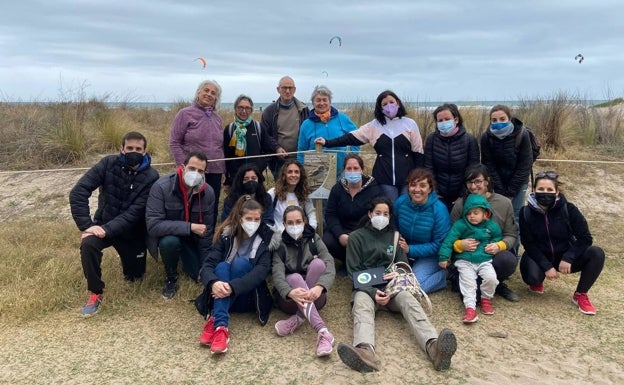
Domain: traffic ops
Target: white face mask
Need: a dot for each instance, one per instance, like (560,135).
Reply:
(380,222)
(250,227)
(295,231)
(193,178)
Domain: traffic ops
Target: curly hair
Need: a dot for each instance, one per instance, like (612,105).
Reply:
(302,191)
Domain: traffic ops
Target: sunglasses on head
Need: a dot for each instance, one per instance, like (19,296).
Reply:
(547,174)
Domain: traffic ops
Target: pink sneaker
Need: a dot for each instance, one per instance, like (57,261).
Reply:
(288,326)
(486,306)
(220,340)
(471,315)
(208,333)
(538,289)
(582,301)
(324,344)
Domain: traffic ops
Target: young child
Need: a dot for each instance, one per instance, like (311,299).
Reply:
(475,224)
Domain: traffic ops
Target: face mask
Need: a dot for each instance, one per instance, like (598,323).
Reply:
(545,199)
(250,227)
(390,110)
(380,222)
(353,177)
(295,231)
(193,178)
(250,187)
(132,159)
(499,126)
(446,126)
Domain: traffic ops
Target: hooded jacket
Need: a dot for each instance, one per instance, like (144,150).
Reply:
(165,213)
(550,236)
(122,198)
(488,231)
(294,256)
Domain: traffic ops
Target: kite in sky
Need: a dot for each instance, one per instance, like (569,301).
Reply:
(325,73)
(201,59)
(579,57)
(336,38)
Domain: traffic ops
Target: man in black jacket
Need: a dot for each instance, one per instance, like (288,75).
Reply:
(124,181)
(179,217)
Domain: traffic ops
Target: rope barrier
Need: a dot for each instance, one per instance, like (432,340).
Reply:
(290,153)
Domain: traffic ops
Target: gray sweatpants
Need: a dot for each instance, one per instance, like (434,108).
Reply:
(364,308)
(468,273)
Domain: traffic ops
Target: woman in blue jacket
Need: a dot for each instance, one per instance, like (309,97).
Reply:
(423,222)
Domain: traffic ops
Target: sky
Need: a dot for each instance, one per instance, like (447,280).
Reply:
(442,50)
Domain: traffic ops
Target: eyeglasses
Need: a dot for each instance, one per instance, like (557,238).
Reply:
(476,182)
(548,174)
(283,88)
(248,109)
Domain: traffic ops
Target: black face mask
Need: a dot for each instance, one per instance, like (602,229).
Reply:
(545,199)
(250,187)
(133,159)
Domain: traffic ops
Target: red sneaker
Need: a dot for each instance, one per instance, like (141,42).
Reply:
(471,315)
(208,333)
(582,301)
(538,289)
(220,340)
(486,306)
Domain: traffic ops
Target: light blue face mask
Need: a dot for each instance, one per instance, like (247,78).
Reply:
(446,127)
(353,177)
(499,125)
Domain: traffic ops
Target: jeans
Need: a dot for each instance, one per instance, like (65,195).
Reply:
(392,192)
(240,303)
(173,249)
(429,274)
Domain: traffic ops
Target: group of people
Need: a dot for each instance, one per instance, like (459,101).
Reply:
(458,209)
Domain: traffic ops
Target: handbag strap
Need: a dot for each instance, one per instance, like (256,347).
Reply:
(394,250)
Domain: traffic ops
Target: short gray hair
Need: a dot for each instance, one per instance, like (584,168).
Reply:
(216,85)
(242,97)
(322,90)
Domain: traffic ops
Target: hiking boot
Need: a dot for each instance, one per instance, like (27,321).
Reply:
(486,306)
(537,289)
(360,358)
(583,303)
(324,343)
(220,340)
(170,289)
(504,291)
(93,305)
(470,316)
(288,326)
(441,349)
(208,333)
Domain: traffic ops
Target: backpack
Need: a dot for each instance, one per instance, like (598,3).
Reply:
(232,127)
(536,146)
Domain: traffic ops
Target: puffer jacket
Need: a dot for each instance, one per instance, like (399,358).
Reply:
(550,235)
(448,158)
(165,214)
(423,226)
(255,280)
(122,199)
(509,170)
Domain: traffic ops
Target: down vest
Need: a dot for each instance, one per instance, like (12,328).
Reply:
(448,158)
(122,199)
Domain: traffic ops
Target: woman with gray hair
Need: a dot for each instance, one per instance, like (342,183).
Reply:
(324,121)
(199,128)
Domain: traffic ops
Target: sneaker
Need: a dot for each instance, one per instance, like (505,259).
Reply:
(288,326)
(470,316)
(486,306)
(93,305)
(360,358)
(537,289)
(220,340)
(170,289)
(504,291)
(583,303)
(441,350)
(324,343)
(208,333)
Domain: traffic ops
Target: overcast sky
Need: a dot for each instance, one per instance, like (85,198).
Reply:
(436,50)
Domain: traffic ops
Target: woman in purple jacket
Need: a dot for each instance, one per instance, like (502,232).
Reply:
(199,128)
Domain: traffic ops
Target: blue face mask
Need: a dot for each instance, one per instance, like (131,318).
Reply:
(353,177)
(499,125)
(446,126)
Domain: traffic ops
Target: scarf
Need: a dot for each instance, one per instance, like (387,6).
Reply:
(239,139)
(324,116)
(188,195)
(503,132)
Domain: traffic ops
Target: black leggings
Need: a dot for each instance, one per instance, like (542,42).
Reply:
(590,265)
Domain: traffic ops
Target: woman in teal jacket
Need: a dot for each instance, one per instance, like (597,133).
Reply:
(423,222)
